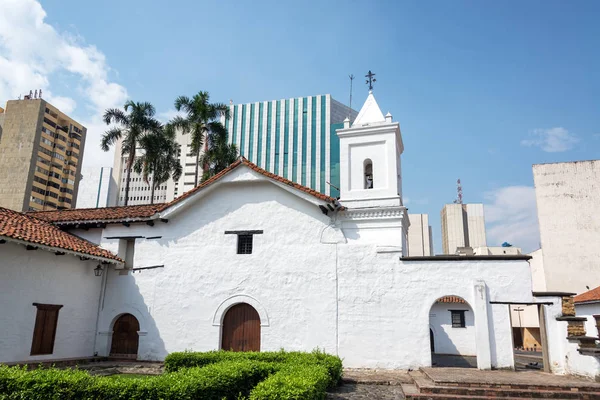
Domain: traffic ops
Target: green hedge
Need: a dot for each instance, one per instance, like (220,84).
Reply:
(333,364)
(294,382)
(213,375)
(224,380)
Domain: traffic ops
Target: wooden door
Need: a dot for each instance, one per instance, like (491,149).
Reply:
(241,329)
(125,338)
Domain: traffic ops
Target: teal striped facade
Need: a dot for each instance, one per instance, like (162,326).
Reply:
(293,138)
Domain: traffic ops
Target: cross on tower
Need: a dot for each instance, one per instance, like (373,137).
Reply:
(370,80)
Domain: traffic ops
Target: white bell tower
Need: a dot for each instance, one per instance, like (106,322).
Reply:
(370,149)
(371,181)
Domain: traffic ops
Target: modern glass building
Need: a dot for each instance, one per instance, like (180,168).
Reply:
(293,138)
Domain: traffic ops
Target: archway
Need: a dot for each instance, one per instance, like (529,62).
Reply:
(241,329)
(125,337)
(452,333)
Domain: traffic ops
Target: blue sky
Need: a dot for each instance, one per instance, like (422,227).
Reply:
(482,90)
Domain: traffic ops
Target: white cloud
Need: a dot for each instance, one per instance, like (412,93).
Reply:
(511,216)
(31,51)
(168,115)
(551,140)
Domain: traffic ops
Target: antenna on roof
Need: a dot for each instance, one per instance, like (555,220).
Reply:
(351,76)
(459,197)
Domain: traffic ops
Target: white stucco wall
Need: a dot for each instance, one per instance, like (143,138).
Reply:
(567,203)
(300,266)
(290,273)
(39,276)
(449,340)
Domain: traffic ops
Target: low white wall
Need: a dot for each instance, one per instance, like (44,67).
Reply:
(39,276)
(576,363)
(449,340)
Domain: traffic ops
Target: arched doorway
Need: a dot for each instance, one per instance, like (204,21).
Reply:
(241,329)
(125,338)
(452,333)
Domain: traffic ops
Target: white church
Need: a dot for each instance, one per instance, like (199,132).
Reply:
(251,261)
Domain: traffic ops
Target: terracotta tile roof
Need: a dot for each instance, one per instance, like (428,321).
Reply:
(107,214)
(450,299)
(591,295)
(244,161)
(23,227)
(145,212)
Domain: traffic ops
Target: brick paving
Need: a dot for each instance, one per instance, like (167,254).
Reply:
(353,391)
(376,376)
(525,378)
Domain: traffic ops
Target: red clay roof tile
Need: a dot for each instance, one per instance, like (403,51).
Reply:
(19,226)
(107,214)
(592,295)
(450,299)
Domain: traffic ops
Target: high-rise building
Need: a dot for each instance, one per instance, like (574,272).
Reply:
(463,225)
(96,188)
(420,240)
(568,202)
(294,138)
(41,151)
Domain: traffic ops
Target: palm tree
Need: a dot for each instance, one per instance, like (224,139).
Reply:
(131,127)
(200,119)
(219,153)
(160,158)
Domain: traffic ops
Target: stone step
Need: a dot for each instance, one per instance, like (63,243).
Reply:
(429,389)
(422,379)
(455,397)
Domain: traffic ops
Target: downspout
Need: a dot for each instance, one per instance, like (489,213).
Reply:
(100,306)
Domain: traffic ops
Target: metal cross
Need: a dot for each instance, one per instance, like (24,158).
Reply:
(370,80)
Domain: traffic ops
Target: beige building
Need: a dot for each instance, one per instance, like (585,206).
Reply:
(420,240)
(41,151)
(463,225)
(568,207)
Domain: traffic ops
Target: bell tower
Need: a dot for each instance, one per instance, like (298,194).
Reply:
(371,180)
(370,150)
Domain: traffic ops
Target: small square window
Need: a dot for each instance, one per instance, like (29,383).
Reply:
(244,244)
(458,318)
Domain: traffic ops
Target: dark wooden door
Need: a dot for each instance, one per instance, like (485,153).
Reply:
(125,338)
(431,341)
(241,329)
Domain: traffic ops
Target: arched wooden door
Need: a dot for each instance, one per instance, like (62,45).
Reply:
(241,329)
(125,338)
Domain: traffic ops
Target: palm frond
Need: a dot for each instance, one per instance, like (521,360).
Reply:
(110,137)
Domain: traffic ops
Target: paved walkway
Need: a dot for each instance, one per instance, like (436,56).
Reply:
(352,391)
(528,378)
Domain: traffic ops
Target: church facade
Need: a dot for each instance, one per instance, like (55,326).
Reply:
(249,260)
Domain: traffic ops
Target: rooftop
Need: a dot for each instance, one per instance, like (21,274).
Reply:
(590,296)
(25,229)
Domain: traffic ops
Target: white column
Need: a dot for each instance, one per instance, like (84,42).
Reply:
(327,117)
(263,150)
(230,128)
(291,141)
(318,156)
(300,137)
(309,143)
(273,124)
(282,111)
(238,128)
(247,133)
(255,133)
(482,329)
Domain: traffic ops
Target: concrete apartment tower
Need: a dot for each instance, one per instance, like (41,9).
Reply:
(41,152)
(420,238)
(96,188)
(463,225)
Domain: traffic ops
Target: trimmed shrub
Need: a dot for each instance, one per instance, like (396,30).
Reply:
(294,382)
(225,380)
(333,364)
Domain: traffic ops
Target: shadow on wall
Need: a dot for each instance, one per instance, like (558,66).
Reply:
(126,328)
